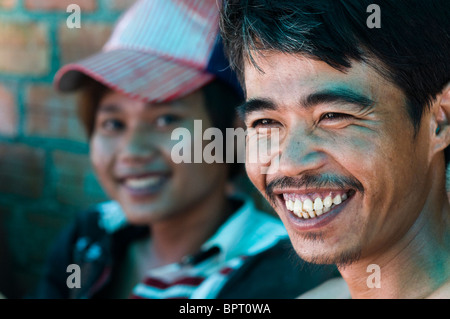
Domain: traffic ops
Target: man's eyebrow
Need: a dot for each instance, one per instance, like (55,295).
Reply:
(334,95)
(338,95)
(253,105)
(109,108)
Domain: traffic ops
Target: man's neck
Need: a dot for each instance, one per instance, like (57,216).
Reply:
(416,266)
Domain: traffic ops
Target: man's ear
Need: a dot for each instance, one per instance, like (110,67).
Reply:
(441,123)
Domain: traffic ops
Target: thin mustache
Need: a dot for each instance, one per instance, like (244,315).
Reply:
(308,181)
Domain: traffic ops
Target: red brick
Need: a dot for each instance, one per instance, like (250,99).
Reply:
(24,48)
(7,4)
(52,114)
(8,112)
(59,5)
(22,170)
(76,44)
(120,5)
(75,181)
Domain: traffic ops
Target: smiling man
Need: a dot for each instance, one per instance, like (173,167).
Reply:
(170,229)
(361,116)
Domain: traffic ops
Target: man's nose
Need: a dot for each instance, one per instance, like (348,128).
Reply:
(300,152)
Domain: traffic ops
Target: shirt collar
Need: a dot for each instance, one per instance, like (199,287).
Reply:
(247,231)
(112,218)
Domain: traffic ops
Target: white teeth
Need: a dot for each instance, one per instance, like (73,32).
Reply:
(307,205)
(337,200)
(318,204)
(327,202)
(310,209)
(290,204)
(297,206)
(141,183)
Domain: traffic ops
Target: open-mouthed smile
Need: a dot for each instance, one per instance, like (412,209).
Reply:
(313,208)
(146,184)
(315,204)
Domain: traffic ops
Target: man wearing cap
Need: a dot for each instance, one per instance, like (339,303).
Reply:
(171,230)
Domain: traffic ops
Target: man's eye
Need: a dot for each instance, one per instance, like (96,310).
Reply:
(264,123)
(335,116)
(113,125)
(166,120)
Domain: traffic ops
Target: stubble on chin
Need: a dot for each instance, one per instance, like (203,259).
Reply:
(311,247)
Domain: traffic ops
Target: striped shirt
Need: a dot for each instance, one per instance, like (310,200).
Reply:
(201,276)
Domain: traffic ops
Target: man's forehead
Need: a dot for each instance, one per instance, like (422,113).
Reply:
(278,75)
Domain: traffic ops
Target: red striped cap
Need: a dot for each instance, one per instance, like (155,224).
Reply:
(159,50)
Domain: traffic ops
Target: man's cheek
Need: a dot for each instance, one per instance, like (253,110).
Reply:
(98,158)
(253,172)
(101,159)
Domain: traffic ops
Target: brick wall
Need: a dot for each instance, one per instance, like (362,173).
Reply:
(45,174)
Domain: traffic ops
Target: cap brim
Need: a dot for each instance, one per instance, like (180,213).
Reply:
(137,74)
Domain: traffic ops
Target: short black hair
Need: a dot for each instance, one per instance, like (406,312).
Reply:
(411,49)
(221,101)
